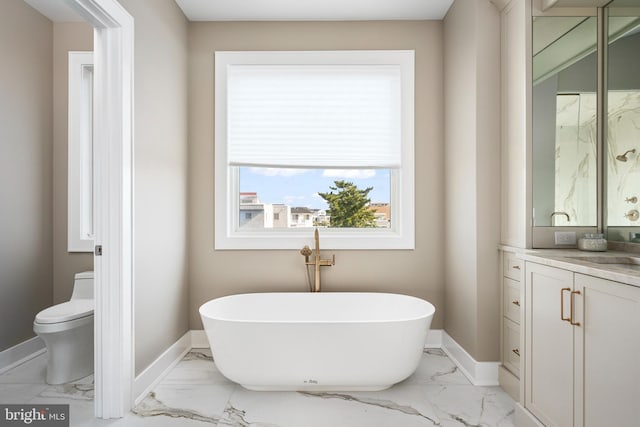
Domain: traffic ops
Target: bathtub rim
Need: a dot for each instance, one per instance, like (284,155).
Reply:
(431,309)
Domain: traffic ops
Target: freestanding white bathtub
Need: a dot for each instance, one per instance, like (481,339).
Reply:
(317,341)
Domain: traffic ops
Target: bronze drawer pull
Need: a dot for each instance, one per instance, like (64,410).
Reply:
(517,267)
(516,303)
(516,351)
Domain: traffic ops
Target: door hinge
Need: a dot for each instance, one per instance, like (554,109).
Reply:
(98,250)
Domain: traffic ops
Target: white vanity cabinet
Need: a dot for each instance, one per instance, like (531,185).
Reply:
(582,340)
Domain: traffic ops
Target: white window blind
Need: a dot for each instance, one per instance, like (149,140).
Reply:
(329,116)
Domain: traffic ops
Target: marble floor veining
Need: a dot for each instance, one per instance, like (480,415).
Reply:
(194,393)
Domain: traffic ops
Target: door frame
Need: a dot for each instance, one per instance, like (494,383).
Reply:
(113,203)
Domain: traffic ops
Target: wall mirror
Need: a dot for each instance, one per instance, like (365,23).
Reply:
(622,137)
(564,158)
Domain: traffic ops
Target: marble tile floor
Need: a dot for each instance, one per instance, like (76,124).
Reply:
(194,393)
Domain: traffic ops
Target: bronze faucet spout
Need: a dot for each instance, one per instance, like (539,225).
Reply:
(317,261)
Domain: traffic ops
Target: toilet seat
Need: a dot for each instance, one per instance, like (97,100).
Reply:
(53,328)
(66,311)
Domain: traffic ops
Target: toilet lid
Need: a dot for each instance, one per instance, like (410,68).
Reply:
(70,310)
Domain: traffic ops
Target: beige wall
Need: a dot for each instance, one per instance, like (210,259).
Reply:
(160,176)
(472,165)
(25,169)
(66,37)
(460,166)
(419,272)
(488,181)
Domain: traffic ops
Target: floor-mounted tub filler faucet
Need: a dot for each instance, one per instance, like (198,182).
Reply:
(317,262)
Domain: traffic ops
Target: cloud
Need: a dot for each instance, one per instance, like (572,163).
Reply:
(292,200)
(276,171)
(349,173)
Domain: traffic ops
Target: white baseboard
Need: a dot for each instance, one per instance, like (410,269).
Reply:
(199,339)
(479,373)
(434,338)
(153,374)
(20,353)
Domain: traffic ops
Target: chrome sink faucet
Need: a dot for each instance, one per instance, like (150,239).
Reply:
(317,262)
(559,213)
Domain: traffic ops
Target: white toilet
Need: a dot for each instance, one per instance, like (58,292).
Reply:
(67,331)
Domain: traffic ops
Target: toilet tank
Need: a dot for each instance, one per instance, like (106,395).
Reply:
(83,285)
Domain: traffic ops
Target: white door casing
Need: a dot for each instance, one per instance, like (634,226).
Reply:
(113,203)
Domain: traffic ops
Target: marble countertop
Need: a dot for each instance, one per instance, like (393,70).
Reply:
(578,261)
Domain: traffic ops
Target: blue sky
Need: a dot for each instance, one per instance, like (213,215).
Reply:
(299,187)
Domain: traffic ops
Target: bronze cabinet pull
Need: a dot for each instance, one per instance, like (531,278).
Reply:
(517,267)
(568,319)
(516,302)
(516,351)
(572,304)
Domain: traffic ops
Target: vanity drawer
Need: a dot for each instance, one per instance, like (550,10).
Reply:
(511,347)
(512,266)
(511,300)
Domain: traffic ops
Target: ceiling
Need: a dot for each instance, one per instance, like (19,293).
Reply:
(308,10)
(312,10)
(55,10)
(280,10)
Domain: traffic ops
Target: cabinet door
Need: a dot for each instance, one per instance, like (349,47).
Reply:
(511,300)
(607,352)
(511,347)
(549,345)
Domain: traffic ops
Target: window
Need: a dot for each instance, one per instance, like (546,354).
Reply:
(80,168)
(295,114)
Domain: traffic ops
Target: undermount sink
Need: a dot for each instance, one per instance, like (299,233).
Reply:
(629,262)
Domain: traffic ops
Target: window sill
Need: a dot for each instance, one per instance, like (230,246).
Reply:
(330,239)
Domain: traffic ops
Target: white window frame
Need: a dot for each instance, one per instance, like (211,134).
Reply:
(80,236)
(228,236)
